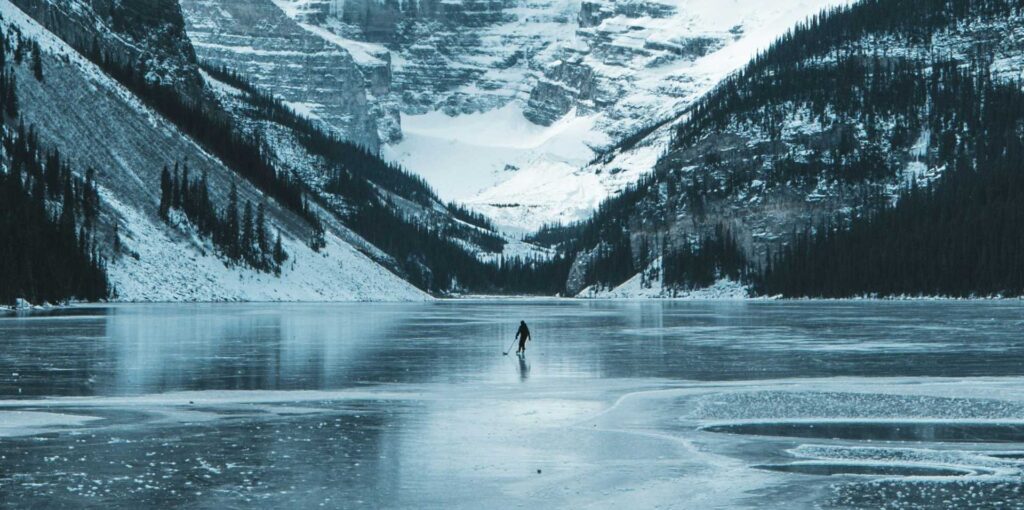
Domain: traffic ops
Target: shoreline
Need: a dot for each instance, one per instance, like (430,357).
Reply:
(523,299)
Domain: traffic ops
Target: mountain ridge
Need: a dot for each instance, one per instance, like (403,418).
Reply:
(500,105)
(805,141)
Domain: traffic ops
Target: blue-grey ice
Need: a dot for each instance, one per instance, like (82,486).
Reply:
(615,405)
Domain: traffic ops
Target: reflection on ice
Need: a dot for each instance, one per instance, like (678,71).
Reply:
(679,405)
(452,445)
(884,430)
(835,468)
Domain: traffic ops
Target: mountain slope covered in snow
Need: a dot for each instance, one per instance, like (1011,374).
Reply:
(218,190)
(499,105)
(872,151)
(97,123)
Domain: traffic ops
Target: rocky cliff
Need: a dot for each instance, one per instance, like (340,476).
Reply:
(315,77)
(147,33)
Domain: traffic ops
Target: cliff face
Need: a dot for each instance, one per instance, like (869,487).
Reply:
(317,78)
(434,49)
(150,33)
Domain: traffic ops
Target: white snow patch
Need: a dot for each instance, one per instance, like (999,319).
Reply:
(167,270)
(26,423)
(651,287)
(461,156)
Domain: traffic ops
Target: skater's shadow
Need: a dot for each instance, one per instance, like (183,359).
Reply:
(524,368)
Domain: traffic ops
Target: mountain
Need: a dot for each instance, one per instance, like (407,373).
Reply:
(97,123)
(220,150)
(188,181)
(872,150)
(499,104)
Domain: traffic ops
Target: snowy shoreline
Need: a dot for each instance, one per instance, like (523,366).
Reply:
(506,298)
(503,298)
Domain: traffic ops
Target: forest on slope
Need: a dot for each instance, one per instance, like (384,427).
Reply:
(435,246)
(48,216)
(871,151)
(393,217)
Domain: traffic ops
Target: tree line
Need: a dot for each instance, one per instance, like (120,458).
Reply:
(50,235)
(240,235)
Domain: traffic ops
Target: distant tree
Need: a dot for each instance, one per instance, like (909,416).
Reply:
(117,239)
(37,61)
(261,228)
(248,237)
(166,191)
(316,238)
(19,49)
(176,188)
(231,227)
(279,254)
(186,181)
(11,97)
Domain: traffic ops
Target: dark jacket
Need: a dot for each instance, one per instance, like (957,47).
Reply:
(523,333)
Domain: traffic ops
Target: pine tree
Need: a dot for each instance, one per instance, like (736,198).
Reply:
(90,197)
(11,99)
(231,224)
(186,181)
(37,61)
(247,233)
(175,189)
(165,192)
(117,239)
(279,254)
(316,238)
(19,50)
(261,229)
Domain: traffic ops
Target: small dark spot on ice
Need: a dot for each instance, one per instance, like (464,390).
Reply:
(191,402)
(538,471)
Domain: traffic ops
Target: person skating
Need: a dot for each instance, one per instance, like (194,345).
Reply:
(523,335)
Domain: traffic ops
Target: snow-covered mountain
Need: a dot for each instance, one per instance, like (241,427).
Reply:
(531,112)
(97,123)
(498,104)
(797,171)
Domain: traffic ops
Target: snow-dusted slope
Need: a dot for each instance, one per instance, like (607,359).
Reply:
(504,103)
(96,122)
(649,284)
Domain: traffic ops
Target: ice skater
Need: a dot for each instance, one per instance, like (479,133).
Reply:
(524,336)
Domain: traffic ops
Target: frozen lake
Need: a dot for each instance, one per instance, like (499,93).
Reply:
(616,405)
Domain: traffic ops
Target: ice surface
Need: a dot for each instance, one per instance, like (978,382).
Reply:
(616,404)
